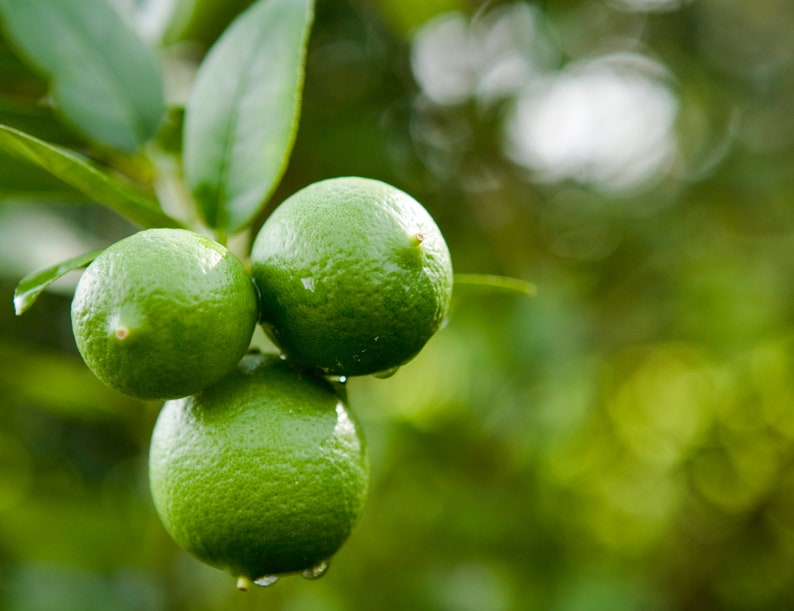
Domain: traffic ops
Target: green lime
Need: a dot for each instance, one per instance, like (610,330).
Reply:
(354,276)
(163,313)
(261,475)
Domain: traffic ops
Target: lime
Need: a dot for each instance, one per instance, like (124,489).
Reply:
(354,276)
(263,474)
(163,313)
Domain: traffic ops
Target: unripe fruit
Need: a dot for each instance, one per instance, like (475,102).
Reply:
(261,475)
(163,313)
(354,276)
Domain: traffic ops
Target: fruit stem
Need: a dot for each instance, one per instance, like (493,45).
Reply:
(244,584)
(417,239)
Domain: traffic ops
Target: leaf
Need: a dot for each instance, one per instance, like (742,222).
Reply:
(20,180)
(79,173)
(31,286)
(31,116)
(105,80)
(242,116)
(499,283)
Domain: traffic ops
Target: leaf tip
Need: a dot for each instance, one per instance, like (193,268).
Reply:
(21,304)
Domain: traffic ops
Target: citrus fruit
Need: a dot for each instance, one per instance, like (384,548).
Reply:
(354,276)
(163,313)
(262,474)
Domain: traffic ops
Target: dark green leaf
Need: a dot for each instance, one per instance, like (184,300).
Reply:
(31,286)
(31,116)
(79,173)
(105,80)
(243,112)
(21,180)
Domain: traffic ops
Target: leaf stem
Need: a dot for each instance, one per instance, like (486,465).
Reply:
(221,236)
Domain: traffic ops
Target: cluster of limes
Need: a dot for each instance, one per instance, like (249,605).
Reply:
(257,465)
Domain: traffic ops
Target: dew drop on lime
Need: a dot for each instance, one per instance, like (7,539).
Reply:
(317,571)
(267,580)
(387,373)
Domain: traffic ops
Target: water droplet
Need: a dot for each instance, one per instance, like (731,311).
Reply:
(317,571)
(387,373)
(267,580)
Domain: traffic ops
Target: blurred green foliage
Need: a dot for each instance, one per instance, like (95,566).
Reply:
(621,441)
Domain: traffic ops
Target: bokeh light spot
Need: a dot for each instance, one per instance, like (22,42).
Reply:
(606,122)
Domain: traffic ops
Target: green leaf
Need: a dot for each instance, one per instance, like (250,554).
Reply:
(79,173)
(31,286)
(31,116)
(243,113)
(499,283)
(20,180)
(105,80)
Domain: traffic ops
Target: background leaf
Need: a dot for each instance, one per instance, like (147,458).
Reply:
(31,286)
(22,109)
(491,282)
(105,80)
(21,180)
(243,112)
(76,171)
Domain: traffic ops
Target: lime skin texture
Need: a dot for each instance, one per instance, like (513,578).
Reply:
(163,313)
(261,475)
(354,276)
